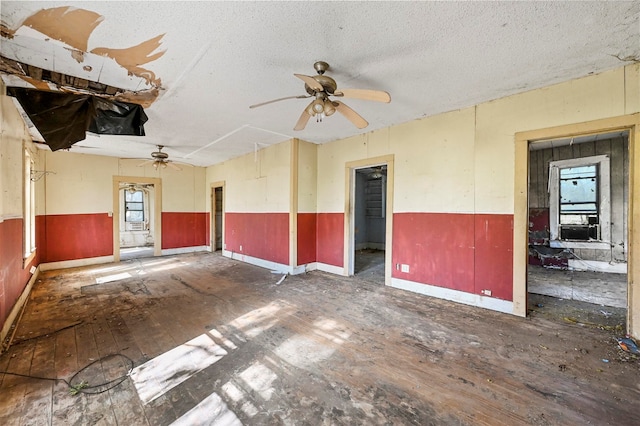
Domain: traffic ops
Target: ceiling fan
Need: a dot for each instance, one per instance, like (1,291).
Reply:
(320,87)
(160,159)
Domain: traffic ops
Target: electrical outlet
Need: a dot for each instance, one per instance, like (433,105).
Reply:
(486,292)
(404,268)
(32,270)
(240,248)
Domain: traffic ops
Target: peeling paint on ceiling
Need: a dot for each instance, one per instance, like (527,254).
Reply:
(197,66)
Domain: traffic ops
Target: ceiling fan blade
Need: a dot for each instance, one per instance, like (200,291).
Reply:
(311,82)
(144,163)
(173,166)
(280,99)
(367,95)
(351,115)
(303,120)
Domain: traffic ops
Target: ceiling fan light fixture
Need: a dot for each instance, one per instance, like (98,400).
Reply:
(328,108)
(318,106)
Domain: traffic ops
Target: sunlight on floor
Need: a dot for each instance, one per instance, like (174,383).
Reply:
(157,376)
(112,278)
(250,387)
(210,411)
(257,321)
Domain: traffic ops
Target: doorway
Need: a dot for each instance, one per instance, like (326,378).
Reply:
(137,219)
(629,126)
(137,239)
(578,245)
(369,223)
(217,217)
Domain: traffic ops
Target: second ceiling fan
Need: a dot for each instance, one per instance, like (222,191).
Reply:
(320,87)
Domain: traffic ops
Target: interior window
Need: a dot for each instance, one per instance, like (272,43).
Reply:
(134,206)
(579,201)
(579,216)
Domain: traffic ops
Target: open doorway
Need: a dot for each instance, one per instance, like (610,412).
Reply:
(369,222)
(578,223)
(137,233)
(136,220)
(368,234)
(217,217)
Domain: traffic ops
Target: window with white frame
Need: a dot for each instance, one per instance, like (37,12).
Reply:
(579,201)
(29,216)
(133,206)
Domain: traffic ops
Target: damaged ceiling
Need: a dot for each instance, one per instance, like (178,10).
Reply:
(196,67)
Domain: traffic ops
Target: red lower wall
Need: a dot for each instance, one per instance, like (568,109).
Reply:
(185,229)
(13,277)
(463,252)
(494,255)
(73,236)
(307,243)
(261,235)
(330,238)
(438,247)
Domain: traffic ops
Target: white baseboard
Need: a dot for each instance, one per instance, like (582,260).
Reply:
(17,310)
(598,266)
(454,295)
(338,270)
(183,250)
(75,263)
(267,264)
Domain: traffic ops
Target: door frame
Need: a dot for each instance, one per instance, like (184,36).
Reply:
(212,224)
(349,213)
(157,212)
(630,123)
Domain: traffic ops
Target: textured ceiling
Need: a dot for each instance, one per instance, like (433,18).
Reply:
(214,59)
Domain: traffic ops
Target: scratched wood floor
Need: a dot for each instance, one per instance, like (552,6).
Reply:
(315,349)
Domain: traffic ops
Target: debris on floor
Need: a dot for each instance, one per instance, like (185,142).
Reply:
(627,344)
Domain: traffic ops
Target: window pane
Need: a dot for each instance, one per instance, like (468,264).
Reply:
(134,206)
(134,216)
(133,196)
(579,189)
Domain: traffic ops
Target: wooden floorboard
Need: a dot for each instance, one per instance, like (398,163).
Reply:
(314,349)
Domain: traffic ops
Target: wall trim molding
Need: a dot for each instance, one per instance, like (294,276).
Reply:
(454,295)
(50,266)
(332,269)
(183,250)
(267,264)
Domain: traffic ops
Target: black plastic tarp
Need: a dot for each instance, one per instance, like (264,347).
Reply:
(64,118)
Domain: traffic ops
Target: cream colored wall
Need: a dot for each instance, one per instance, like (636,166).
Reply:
(307,177)
(82,183)
(13,138)
(463,161)
(255,183)
(585,99)
(434,163)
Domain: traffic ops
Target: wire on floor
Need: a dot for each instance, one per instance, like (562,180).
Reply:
(82,386)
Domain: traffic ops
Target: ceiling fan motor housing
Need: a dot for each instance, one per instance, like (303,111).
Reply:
(328,84)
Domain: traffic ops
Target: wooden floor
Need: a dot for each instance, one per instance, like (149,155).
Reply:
(214,341)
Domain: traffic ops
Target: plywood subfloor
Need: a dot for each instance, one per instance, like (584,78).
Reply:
(607,289)
(215,341)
